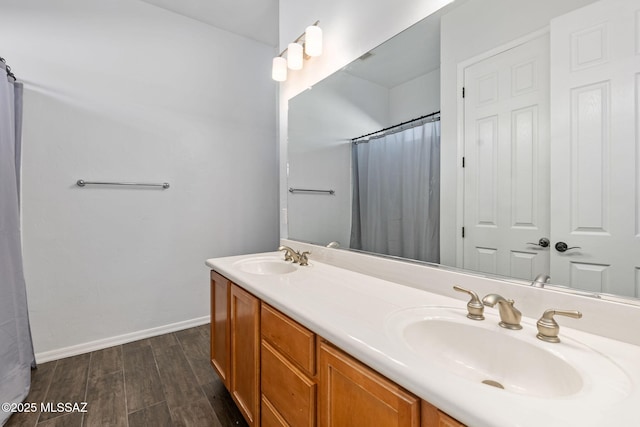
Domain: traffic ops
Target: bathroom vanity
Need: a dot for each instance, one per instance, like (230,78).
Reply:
(280,373)
(329,346)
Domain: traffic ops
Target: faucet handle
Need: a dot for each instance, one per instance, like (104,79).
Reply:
(475,307)
(303,258)
(548,328)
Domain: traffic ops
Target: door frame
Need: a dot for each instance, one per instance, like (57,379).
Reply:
(460,127)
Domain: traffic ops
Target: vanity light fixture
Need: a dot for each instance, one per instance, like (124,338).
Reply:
(279,69)
(294,56)
(313,40)
(308,44)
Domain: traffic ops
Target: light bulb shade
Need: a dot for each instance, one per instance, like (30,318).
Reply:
(313,41)
(294,56)
(279,69)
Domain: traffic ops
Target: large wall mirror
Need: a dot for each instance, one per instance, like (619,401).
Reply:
(533,158)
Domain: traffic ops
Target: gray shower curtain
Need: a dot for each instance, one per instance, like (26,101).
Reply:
(396,193)
(16,349)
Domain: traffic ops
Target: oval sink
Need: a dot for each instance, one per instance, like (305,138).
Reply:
(493,358)
(266,266)
(483,352)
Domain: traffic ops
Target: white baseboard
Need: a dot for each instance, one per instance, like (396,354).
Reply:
(90,346)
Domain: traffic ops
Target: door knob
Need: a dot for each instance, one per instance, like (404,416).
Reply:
(543,242)
(563,247)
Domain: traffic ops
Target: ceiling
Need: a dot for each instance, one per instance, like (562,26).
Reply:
(412,53)
(254,19)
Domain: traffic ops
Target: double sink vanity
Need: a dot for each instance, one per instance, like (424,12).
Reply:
(329,344)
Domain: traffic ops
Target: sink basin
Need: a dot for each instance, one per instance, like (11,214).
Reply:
(483,352)
(266,266)
(493,357)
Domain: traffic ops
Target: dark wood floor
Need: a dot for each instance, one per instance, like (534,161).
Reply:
(161,381)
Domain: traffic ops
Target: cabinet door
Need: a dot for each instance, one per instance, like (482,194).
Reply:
(433,417)
(245,353)
(353,395)
(220,345)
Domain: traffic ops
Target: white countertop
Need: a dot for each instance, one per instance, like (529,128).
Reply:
(350,310)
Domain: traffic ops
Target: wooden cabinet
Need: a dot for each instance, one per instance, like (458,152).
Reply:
(235,344)
(288,371)
(433,417)
(220,324)
(281,374)
(353,395)
(290,338)
(244,381)
(269,416)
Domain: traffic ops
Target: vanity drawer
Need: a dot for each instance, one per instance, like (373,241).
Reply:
(269,416)
(292,339)
(290,393)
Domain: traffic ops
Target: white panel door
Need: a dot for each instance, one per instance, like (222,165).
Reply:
(595,178)
(506,150)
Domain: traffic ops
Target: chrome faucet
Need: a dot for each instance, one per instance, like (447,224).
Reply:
(289,254)
(540,280)
(295,256)
(509,315)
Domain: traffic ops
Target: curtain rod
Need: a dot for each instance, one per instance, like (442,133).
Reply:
(398,125)
(7,68)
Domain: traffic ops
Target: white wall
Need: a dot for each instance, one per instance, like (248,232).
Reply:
(415,98)
(122,90)
(468,31)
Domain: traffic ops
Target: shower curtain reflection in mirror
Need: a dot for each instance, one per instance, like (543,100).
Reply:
(16,349)
(396,193)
